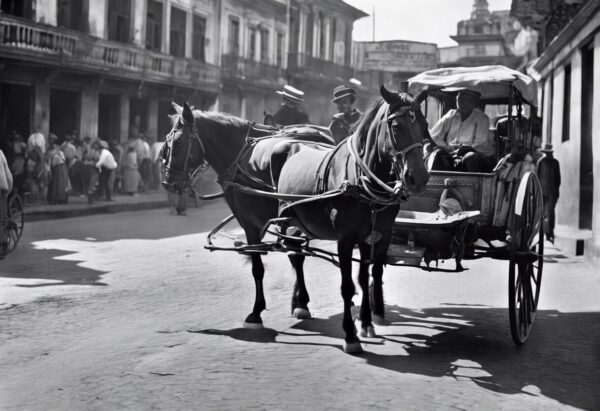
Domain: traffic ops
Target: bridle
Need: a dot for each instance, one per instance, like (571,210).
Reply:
(183,177)
(398,155)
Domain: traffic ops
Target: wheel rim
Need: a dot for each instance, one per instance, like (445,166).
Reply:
(16,221)
(526,262)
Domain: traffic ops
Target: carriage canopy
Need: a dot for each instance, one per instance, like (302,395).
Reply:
(493,82)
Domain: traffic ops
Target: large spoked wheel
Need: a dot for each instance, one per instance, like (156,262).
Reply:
(526,255)
(15,223)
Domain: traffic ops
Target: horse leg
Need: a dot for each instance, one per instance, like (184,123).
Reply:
(300,297)
(258,270)
(352,343)
(367,329)
(376,294)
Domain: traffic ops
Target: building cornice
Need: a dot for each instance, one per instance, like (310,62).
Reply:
(583,16)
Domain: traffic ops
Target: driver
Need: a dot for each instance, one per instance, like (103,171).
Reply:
(463,133)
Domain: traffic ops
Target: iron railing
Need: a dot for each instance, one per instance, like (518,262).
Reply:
(312,65)
(65,47)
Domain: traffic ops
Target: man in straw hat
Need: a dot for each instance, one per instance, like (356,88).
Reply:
(463,133)
(345,120)
(548,171)
(289,112)
(107,166)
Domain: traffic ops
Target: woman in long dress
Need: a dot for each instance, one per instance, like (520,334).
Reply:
(59,187)
(131,175)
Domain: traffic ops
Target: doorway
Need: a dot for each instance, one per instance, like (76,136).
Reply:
(586,176)
(64,113)
(109,117)
(15,113)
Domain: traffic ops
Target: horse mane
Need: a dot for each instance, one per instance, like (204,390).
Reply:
(223,119)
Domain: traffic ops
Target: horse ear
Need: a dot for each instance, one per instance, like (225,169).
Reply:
(187,114)
(176,107)
(388,96)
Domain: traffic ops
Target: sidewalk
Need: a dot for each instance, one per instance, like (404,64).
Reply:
(78,206)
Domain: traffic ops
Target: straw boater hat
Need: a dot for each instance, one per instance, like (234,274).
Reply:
(342,91)
(547,148)
(292,93)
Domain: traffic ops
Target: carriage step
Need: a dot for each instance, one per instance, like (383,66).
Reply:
(409,255)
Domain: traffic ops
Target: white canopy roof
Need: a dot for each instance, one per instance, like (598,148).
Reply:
(493,82)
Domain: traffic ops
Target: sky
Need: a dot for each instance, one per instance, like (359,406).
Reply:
(428,21)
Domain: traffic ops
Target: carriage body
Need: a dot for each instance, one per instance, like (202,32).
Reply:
(504,204)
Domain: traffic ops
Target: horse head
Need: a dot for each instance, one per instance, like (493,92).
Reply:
(407,126)
(183,152)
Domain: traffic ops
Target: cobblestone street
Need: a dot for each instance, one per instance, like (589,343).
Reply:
(140,316)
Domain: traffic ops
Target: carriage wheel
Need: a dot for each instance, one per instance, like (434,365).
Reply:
(526,255)
(16,221)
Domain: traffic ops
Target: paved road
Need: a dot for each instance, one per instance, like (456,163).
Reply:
(127,311)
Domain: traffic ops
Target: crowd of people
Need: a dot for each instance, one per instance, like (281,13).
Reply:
(51,169)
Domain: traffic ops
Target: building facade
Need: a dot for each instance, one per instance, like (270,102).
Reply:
(485,38)
(568,74)
(253,51)
(320,52)
(104,68)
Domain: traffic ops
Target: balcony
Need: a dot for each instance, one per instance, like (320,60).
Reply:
(236,67)
(313,67)
(26,40)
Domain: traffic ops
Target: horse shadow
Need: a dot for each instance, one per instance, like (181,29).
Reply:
(560,358)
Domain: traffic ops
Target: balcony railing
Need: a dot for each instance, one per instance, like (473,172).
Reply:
(312,65)
(81,51)
(246,69)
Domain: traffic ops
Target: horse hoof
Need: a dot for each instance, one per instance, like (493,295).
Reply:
(253,326)
(378,319)
(302,314)
(368,332)
(352,348)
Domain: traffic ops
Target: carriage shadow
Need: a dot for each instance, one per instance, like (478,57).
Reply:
(47,269)
(469,343)
(560,359)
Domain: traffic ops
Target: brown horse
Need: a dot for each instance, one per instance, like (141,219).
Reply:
(388,142)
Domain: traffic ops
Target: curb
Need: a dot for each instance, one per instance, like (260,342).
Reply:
(39,215)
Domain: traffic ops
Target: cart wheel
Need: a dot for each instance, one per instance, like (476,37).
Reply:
(16,221)
(526,255)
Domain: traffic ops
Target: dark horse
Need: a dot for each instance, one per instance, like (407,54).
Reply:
(387,143)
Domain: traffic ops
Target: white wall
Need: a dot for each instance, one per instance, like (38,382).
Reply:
(45,11)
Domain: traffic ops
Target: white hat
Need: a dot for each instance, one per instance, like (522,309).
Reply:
(292,93)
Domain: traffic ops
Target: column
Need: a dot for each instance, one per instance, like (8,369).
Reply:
(189,33)
(595,246)
(88,122)
(41,102)
(124,117)
(166,27)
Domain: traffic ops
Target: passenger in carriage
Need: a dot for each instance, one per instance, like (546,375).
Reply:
(289,113)
(462,133)
(345,120)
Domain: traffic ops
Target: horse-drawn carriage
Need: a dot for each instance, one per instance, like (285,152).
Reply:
(300,188)
(502,208)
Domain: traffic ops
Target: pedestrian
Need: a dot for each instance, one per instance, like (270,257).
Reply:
(37,174)
(117,151)
(289,113)
(17,164)
(155,151)
(131,176)
(107,167)
(145,162)
(36,139)
(90,172)
(6,184)
(59,184)
(548,171)
(346,119)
